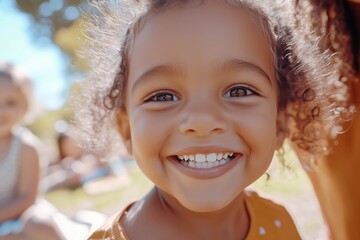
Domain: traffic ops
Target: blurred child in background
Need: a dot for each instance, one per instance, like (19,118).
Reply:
(75,165)
(19,162)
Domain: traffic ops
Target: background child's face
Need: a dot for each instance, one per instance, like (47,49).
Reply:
(12,105)
(201,84)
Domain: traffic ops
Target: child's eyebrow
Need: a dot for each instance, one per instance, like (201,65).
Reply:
(164,69)
(235,64)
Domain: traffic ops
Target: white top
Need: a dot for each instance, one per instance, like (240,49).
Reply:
(9,168)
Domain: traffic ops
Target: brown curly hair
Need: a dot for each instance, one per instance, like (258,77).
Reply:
(310,93)
(333,20)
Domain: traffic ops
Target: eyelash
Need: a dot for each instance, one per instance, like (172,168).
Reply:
(245,89)
(165,96)
(155,97)
(10,103)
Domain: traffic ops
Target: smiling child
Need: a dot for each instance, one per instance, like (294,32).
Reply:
(203,94)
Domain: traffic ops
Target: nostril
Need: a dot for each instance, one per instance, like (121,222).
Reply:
(218,130)
(190,131)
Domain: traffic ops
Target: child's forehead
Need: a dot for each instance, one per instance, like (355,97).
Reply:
(12,90)
(214,25)
(7,81)
(211,18)
(205,12)
(7,86)
(10,83)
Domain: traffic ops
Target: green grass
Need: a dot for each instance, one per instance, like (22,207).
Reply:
(69,201)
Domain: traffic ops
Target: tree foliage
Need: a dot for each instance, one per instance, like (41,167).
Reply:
(59,21)
(52,15)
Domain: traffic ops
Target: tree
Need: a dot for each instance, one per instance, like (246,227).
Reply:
(58,20)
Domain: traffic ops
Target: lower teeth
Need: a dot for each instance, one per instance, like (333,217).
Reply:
(205,164)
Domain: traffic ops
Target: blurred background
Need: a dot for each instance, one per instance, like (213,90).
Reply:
(42,37)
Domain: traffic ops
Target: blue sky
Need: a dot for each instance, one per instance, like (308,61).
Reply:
(41,60)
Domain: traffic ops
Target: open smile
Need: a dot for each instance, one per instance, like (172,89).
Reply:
(206,165)
(210,160)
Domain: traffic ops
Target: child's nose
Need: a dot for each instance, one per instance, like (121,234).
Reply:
(202,121)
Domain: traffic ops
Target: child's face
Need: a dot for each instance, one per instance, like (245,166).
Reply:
(12,105)
(201,85)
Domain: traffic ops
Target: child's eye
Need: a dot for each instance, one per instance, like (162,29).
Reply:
(162,97)
(239,91)
(10,103)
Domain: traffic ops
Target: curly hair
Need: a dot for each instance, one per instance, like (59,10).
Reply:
(333,21)
(310,93)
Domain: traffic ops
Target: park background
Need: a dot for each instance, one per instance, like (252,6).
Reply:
(42,37)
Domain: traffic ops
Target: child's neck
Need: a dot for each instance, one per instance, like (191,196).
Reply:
(168,217)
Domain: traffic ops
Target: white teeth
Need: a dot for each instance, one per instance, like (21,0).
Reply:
(222,161)
(200,158)
(211,157)
(192,164)
(198,164)
(204,164)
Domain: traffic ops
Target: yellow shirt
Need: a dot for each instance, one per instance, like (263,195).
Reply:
(268,220)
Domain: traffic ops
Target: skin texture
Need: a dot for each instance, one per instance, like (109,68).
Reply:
(70,148)
(172,82)
(336,177)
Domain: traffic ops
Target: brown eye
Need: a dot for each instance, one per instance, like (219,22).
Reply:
(162,97)
(10,103)
(239,91)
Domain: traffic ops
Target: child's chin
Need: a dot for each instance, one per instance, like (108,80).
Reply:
(205,206)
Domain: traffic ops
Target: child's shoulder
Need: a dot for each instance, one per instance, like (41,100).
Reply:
(112,229)
(269,218)
(258,201)
(27,138)
(28,146)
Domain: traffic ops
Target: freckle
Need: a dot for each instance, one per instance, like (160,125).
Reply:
(277,223)
(262,231)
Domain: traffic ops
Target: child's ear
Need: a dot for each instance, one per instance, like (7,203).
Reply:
(281,129)
(123,125)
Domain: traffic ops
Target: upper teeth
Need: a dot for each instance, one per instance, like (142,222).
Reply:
(211,157)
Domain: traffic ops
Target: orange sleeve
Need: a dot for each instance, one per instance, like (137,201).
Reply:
(269,220)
